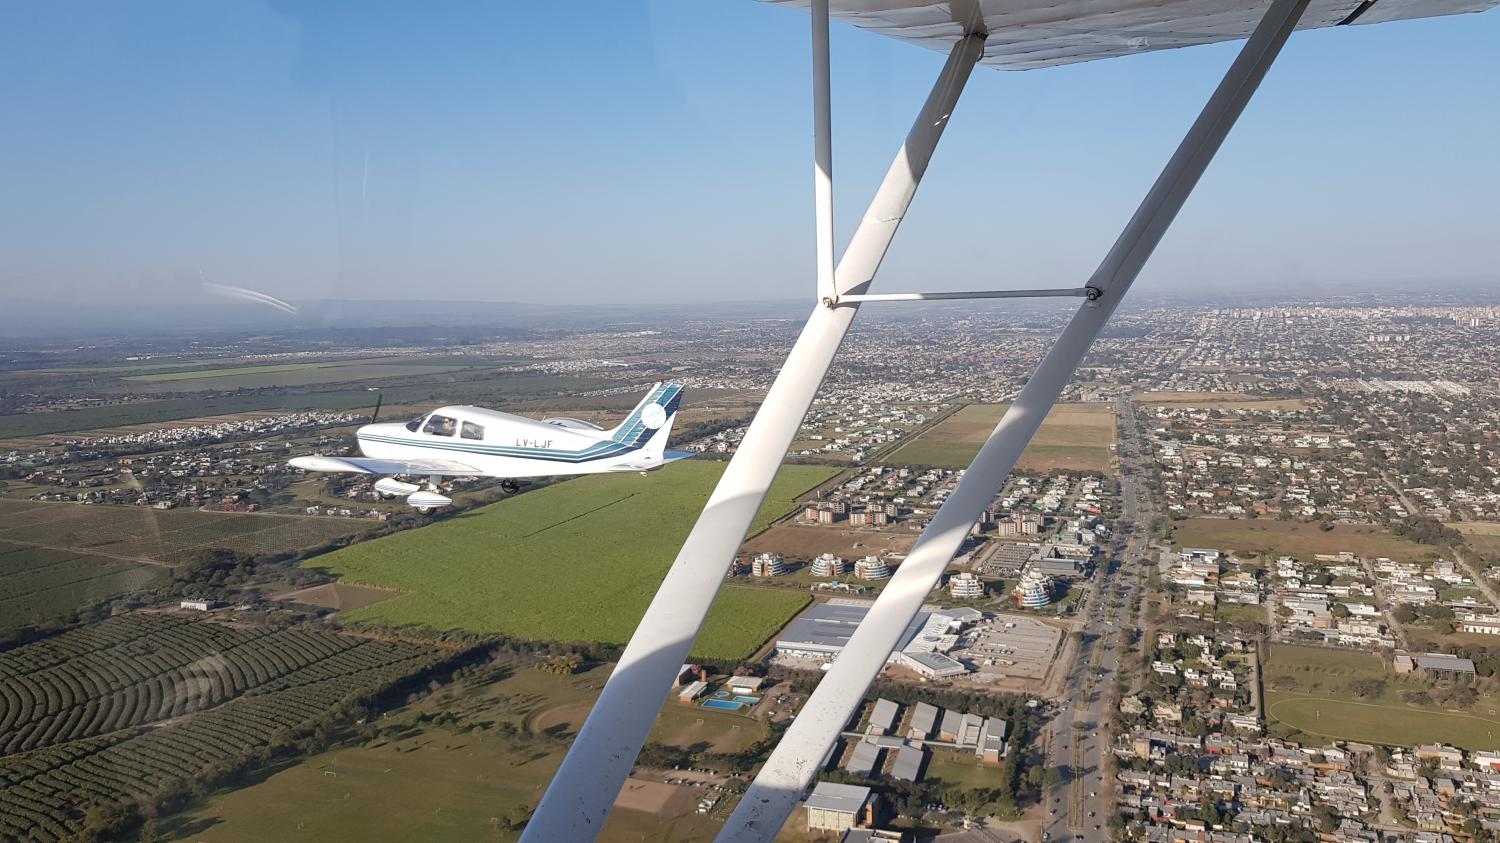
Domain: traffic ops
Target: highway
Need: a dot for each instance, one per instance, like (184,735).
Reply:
(1077,737)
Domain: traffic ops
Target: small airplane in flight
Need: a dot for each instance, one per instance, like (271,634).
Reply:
(460,441)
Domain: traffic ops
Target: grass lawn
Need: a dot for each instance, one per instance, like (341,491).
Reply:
(1291,538)
(578,561)
(1073,437)
(1240,613)
(961,769)
(696,727)
(1315,699)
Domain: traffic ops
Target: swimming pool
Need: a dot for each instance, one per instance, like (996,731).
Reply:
(727,705)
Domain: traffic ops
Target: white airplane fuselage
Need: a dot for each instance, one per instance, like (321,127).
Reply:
(511,446)
(463,441)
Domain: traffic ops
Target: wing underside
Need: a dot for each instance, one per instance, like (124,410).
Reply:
(1025,36)
(366,465)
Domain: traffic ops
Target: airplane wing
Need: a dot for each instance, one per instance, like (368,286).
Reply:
(1025,36)
(365,465)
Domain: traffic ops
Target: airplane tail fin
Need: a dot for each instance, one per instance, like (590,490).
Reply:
(650,422)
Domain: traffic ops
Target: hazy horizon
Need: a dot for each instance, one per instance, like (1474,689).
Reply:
(458,153)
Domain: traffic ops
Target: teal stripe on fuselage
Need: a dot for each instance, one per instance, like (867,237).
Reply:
(632,436)
(593,452)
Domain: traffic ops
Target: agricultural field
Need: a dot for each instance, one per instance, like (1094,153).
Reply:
(1309,689)
(214,695)
(1273,538)
(1217,401)
(457,781)
(39,584)
(169,536)
(193,374)
(1073,437)
(577,561)
(294,374)
(500,390)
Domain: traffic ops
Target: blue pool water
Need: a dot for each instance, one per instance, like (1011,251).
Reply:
(727,705)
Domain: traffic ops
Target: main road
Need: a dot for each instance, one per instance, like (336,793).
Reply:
(1078,737)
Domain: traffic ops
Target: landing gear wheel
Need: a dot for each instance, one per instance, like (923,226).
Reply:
(425,510)
(387,497)
(510,488)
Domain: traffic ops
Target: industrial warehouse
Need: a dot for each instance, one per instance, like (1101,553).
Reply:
(938,643)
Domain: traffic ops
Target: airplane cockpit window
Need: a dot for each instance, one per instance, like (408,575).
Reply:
(440,425)
(472,431)
(415,424)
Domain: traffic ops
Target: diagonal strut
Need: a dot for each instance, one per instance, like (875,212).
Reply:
(800,754)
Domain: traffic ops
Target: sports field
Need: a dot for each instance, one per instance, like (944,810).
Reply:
(1315,698)
(1073,437)
(575,561)
(1293,538)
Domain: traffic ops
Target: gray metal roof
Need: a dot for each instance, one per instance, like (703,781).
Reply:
(953,723)
(845,798)
(884,714)
(924,718)
(1434,661)
(828,626)
(908,764)
(864,759)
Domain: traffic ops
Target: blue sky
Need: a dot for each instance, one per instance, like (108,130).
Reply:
(630,151)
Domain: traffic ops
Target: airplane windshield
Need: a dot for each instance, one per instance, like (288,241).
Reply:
(440,425)
(415,424)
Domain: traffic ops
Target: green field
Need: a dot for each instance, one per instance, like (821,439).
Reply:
(573,561)
(1262,535)
(1315,699)
(1073,437)
(442,783)
(168,536)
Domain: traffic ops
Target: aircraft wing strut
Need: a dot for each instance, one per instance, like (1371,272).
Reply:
(584,789)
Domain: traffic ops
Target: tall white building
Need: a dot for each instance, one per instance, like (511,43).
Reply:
(827,565)
(872,568)
(965,586)
(1034,590)
(767,565)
